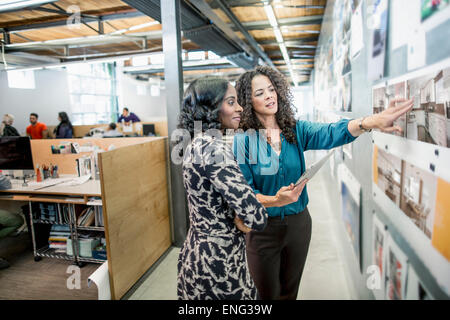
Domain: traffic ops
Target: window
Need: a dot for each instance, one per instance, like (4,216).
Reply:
(92,89)
(21,79)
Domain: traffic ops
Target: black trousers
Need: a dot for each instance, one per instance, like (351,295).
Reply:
(277,255)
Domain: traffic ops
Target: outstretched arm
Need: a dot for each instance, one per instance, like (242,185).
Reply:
(383,121)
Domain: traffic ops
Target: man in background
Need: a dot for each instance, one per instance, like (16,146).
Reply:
(36,130)
(128,117)
(112,131)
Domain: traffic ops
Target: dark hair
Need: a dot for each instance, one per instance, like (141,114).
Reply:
(34,114)
(126,109)
(285,113)
(112,125)
(202,101)
(64,120)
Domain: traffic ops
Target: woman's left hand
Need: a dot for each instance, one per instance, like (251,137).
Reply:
(384,121)
(240,225)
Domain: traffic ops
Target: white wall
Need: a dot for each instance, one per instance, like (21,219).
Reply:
(303,101)
(144,105)
(50,96)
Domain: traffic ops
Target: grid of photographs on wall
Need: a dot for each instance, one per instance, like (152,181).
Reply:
(333,80)
(397,278)
(419,194)
(429,120)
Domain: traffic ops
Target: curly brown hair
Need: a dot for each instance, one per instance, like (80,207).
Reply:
(285,114)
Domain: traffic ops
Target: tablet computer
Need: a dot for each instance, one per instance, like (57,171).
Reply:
(311,171)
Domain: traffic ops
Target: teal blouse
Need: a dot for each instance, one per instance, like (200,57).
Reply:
(266,172)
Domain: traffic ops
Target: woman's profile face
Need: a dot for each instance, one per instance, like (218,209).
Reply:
(230,110)
(264,96)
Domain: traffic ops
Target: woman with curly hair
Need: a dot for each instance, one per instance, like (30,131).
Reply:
(212,263)
(277,255)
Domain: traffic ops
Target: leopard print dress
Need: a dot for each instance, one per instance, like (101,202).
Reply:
(212,264)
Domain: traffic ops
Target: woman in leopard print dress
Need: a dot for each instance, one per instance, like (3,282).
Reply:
(213,263)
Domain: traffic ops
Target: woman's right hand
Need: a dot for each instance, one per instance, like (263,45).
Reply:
(289,194)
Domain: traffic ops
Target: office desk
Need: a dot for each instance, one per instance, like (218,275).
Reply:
(135,203)
(57,194)
(91,188)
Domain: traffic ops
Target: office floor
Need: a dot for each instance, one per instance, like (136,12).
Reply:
(47,279)
(323,277)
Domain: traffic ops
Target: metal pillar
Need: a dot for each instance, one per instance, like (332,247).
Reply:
(173,74)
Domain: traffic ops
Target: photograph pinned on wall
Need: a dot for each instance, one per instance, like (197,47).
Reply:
(412,189)
(431,7)
(388,174)
(338,27)
(357,30)
(351,208)
(379,236)
(346,64)
(346,86)
(396,271)
(382,97)
(377,23)
(429,119)
(419,194)
(415,290)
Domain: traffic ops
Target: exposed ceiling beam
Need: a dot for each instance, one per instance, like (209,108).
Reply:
(63,22)
(86,41)
(284,22)
(242,29)
(292,52)
(289,42)
(204,8)
(188,68)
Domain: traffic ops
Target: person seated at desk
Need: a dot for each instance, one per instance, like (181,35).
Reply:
(64,130)
(128,117)
(37,130)
(112,131)
(9,221)
(6,128)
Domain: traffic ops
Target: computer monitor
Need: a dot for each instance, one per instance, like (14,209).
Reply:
(148,129)
(15,153)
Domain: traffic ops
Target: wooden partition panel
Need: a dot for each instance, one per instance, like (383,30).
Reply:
(80,131)
(135,209)
(42,152)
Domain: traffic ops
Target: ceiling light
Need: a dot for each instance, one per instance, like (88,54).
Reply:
(271,15)
(278,35)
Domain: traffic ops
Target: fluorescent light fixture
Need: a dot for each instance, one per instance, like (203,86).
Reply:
(278,35)
(136,27)
(13,5)
(271,15)
(284,52)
